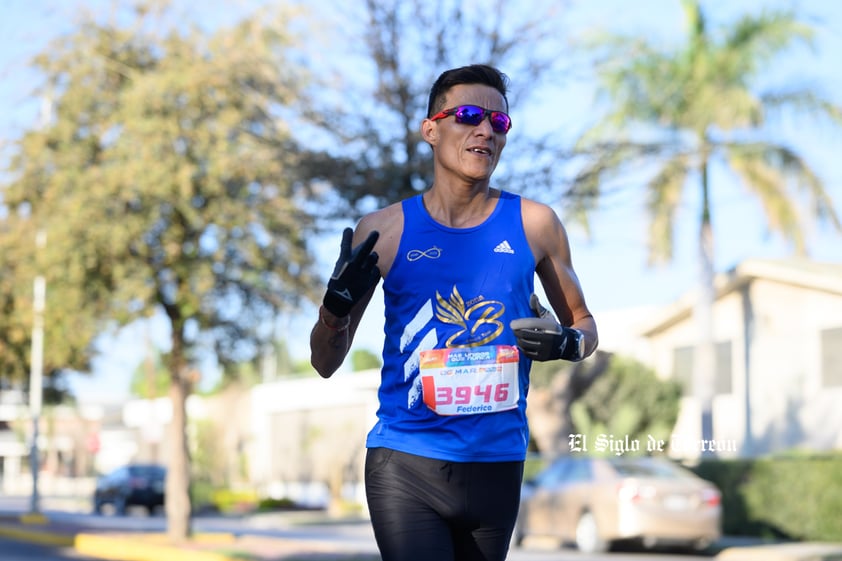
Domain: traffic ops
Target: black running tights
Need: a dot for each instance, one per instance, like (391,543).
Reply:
(431,510)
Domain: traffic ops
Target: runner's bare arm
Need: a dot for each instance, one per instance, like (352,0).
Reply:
(331,337)
(554,266)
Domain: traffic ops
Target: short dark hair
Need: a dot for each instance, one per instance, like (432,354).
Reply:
(472,74)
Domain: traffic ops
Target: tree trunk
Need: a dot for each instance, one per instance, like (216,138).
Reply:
(549,408)
(178,507)
(336,478)
(704,359)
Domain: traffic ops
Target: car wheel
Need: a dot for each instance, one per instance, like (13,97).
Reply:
(588,539)
(700,545)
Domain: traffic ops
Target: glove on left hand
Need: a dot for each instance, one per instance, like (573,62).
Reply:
(543,338)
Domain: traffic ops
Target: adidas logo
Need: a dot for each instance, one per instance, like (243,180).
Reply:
(504,247)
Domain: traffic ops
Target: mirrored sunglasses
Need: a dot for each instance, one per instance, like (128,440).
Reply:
(474,114)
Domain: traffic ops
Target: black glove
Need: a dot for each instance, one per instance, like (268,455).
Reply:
(542,338)
(355,273)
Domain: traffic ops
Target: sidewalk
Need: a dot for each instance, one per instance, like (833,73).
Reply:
(139,546)
(798,551)
(749,548)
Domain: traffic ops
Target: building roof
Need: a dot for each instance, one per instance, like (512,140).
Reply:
(801,273)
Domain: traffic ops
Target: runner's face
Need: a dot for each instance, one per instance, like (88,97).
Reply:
(465,150)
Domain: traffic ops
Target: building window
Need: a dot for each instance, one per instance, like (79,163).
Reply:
(832,357)
(682,368)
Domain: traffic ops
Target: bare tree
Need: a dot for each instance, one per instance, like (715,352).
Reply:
(392,52)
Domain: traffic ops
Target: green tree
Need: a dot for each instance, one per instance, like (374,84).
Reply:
(627,400)
(151,378)
(676,114)
(67,333)
(302,367)
(166,184)
(363,359)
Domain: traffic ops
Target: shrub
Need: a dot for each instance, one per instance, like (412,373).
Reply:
(268,504)
(797,497)
(628,400)
(235,500)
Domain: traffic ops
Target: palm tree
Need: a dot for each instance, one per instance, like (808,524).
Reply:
(674,115)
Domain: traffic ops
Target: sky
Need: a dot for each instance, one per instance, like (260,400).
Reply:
(610,263)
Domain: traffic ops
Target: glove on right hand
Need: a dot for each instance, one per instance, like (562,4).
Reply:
(355,273)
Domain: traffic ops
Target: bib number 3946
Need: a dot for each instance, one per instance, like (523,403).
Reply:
(469,381)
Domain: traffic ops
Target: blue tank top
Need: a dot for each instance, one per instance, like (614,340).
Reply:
(452,288)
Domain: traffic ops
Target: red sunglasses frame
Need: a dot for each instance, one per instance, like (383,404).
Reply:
(485,113)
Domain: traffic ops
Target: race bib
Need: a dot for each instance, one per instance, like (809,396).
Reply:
(470,381)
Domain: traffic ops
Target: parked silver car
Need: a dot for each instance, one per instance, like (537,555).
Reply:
(592,502)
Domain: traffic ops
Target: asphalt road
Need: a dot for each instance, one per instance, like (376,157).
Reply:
(544,552)
(351,537)
(22,551)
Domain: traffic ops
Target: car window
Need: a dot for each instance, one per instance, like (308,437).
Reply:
(579,471)
(644,468)
(147,471)
(564,472)
(553,475)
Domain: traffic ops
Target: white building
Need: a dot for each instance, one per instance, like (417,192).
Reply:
(778,335)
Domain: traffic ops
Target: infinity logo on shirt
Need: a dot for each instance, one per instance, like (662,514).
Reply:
(416,254)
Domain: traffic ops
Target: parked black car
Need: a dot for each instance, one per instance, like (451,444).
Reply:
(131,485)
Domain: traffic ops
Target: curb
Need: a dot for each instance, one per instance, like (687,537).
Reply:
(807,551)
(155,546)
(126,548)
(115,547)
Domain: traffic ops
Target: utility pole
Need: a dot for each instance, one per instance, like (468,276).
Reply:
(36,371)
(36,361)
